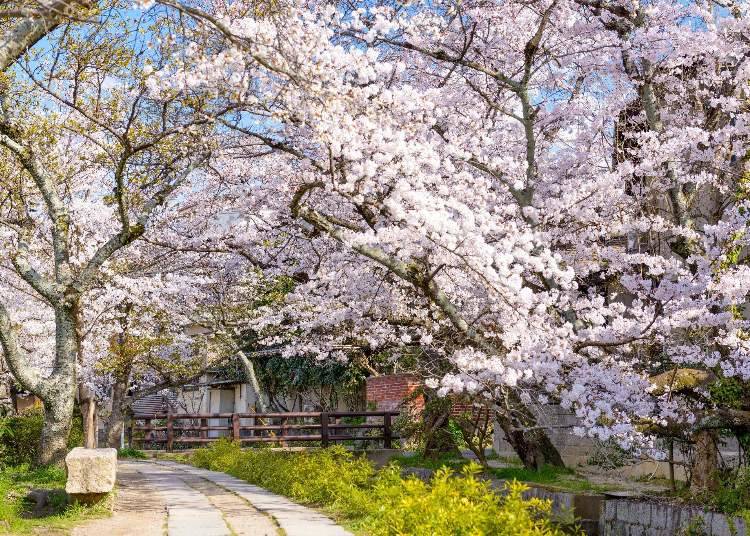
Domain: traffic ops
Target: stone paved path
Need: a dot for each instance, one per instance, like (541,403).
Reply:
(165,498)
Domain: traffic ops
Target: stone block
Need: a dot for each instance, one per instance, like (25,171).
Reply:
(661,516)
(721,525)
(588,506)
(640,514)
(610,510)
(91,473)
(623,511)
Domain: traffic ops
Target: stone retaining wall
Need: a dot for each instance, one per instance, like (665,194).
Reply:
(574,449)
(634,518)
(602,515)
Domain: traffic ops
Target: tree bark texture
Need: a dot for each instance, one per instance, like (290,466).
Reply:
(116,422)
(530,442)
(704,473)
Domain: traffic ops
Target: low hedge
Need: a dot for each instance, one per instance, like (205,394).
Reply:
(382,502)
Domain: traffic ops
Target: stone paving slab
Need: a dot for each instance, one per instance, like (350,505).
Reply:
(242,517)
(294,519)
(189,512)
(138,508)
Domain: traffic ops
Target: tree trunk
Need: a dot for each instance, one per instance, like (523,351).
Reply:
(88,413)
(116,423)
(531,443)
(58,419)
(704,473)
(253,380)
(533,447)
(438,439)
(59,391)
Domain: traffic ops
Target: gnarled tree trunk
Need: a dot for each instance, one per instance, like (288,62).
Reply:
(529,441)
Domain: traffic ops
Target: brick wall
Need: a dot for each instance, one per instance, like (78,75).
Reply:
(389,392)
(462,408)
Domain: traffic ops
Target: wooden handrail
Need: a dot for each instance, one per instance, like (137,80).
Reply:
(290,415)
(169,433)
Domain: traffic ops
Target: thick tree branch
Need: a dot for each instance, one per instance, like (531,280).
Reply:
(29,378)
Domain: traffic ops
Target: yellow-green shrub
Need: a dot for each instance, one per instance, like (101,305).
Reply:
(382,503)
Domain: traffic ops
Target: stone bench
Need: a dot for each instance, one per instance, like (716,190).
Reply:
(91,474)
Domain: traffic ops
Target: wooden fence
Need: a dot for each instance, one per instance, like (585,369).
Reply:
(166,430)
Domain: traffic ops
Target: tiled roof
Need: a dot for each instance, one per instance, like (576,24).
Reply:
(157,403)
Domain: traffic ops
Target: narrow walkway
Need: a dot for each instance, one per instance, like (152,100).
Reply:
(158,498)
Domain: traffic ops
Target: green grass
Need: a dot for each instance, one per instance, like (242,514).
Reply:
(179,457)
(16,510)
(554,477)
(562,478)
(417,460)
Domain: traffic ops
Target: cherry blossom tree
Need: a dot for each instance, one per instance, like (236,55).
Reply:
(555,187)
(89,162)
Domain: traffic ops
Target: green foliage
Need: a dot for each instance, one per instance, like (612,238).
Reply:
(284,377)
(20,436)
(130,452)
(455,431)
(729,392)
(16,511)
(609,455)
(733,496)
(382,503)
(696,527)
(450,505)
(326,477)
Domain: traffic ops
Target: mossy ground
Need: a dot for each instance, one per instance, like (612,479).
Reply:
(19,515)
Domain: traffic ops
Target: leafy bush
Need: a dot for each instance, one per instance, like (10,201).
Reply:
(733,496)
(20,436)
(130,452)
(382,503)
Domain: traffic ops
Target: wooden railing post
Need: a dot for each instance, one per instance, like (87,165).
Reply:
(235,427)
(204,432)
(170,431)
(387,435)
(324,429)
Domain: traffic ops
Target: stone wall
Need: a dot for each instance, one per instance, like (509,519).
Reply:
(605,515)
(633,518)
(574,449)
(577,450)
